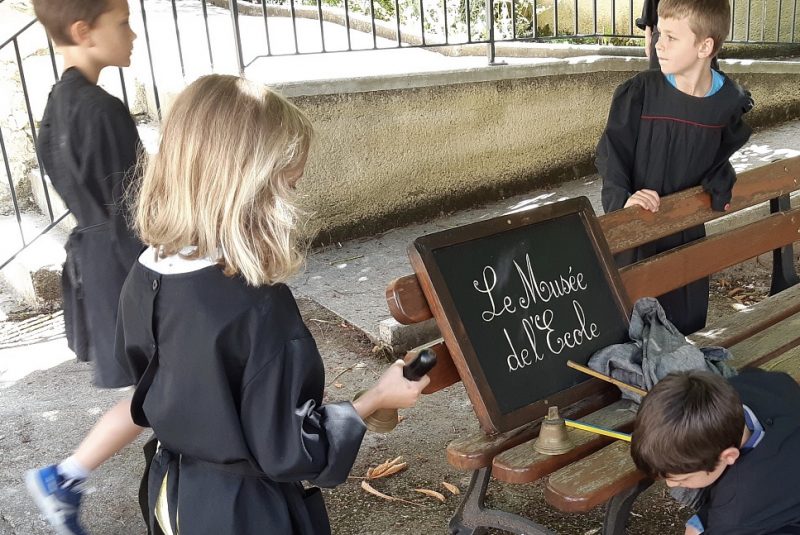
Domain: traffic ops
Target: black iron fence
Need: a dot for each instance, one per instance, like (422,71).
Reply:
(225,35)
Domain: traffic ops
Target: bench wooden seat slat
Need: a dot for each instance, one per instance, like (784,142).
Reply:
(768,344)
(664,272)
(477,449)
(730,331)
(569,492)
(593,480)
(626,229)
(522,464)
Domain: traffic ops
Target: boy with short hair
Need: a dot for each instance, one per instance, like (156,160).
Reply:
(674,129)
(89,145)
(738,439)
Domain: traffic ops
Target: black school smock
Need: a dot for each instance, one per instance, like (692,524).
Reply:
(88,144)
(662,139)
(231,382)
(759,494)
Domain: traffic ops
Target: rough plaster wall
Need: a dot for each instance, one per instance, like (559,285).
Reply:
(385,158)
(388,157)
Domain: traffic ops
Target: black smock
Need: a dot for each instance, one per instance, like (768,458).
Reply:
(662,139)
(88,144)
(231,381)
(758,494)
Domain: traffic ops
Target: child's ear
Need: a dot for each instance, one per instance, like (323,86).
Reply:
(706,48)
(80,32)
(729,456)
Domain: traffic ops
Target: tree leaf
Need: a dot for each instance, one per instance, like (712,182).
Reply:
(432,493)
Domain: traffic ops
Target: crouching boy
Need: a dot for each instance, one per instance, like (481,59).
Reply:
(738,440)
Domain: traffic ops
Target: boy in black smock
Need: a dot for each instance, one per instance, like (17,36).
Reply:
(88,144)
(228,376)
(674,129)
(736,439)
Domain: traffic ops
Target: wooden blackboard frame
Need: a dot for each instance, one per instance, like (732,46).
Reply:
(421,254)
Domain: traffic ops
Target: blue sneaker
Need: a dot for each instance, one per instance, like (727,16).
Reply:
(57,499)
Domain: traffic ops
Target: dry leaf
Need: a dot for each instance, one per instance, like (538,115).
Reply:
(338,385)
(735,291)
(369,488)
(432,493)
(387,468)
(452,488)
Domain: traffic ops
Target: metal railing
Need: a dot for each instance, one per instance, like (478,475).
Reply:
(225,34)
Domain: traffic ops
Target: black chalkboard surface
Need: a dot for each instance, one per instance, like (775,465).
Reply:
(516,297)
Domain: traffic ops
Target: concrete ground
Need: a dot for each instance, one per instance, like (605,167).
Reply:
(47,405)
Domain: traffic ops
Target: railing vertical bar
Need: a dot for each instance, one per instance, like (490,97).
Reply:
(397,20)
(266,26)
(294,25)
(733,18)
(372,21)
(150,58)
(613,17)
(469,22)
(347,24)
(421,20)
(124,89)
(490,51)
(555,18)
(52,59)
(11,187)
(594,15)
(322,24)
(778,25)
(763,20)
(237,34)
(747,24)
(32,125)
(447,24)
(794,19)
(577,21)
(630,16)
(208,34)
(535,28)
(178,36)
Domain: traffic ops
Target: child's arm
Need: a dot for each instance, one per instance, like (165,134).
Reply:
(719,180)
(617,147)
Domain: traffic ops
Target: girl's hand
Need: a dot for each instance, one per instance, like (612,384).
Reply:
(646,198)
(392,391)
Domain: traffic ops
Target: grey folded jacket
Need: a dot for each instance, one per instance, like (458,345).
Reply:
(656,348)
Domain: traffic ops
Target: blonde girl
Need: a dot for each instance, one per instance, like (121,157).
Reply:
(229,378)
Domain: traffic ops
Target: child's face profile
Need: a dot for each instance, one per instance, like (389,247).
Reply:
(702,479)
(678,48)
(110,39)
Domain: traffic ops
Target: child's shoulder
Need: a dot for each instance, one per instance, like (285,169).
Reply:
(637,84)
(85,101)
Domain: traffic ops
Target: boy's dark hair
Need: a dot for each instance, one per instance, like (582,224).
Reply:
(685,422)
(58,15)
(707,18)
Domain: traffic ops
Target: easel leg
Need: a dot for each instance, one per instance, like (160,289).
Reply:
(472,518)
(618,509)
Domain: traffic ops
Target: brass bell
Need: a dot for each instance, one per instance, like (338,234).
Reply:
(553,438)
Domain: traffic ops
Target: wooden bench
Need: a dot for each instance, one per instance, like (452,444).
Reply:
(599,470)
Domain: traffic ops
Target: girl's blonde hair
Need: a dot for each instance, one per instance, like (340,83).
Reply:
(223,179)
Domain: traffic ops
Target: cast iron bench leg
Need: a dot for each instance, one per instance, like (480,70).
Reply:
(472,518)
(783,273)
(618,508)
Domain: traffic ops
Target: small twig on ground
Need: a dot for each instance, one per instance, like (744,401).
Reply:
(340,374)
(343,260)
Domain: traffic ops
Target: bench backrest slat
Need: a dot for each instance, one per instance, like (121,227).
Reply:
(632,227)
(664,272)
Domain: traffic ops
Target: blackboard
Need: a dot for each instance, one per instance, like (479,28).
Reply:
(516,297)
